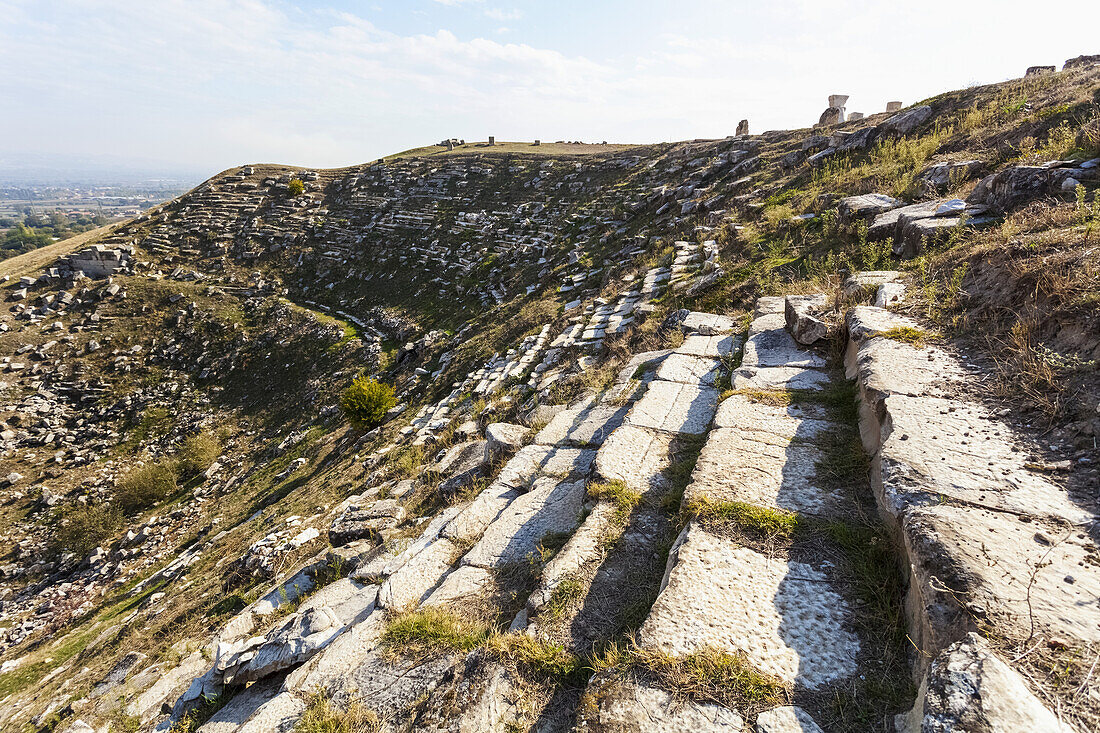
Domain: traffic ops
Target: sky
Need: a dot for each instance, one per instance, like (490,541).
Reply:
(203,85)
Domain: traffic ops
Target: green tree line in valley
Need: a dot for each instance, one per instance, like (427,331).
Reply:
(38,230)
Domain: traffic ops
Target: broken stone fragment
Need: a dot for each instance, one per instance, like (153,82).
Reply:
(802,314)
(866,206)
(969,688)
(787,719)
(503,439)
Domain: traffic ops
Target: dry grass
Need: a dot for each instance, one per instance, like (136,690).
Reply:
(322,715)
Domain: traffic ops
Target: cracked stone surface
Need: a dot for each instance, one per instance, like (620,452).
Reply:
(636,456)
(550,506)
(785,616)
(992,559)
(770,345)
(544,460)
(585,427)
(761,468)
(627,706)
(696,370)
(779,378)
(957,449)
(710,346)
(480,513)
(708,324)
(674,407)
(464,583)
(410,584)
(968,688)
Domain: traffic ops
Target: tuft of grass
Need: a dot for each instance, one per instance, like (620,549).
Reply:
(539,659)
(84,528)
(146,486)
(433,629)
(707,675)
(196,454)
(616,491)
(756,520)
(194,719)
(564,595)
(323,716)
(905,334)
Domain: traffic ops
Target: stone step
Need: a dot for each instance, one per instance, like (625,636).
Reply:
(989,542)
(785,616)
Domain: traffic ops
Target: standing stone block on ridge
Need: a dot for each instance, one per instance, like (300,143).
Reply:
(742,128)
(892,107)
(771,345)
(783,615)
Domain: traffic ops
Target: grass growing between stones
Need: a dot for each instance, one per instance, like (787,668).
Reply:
(324,716)
(433,629)
(756,520)
(616,492)
(868,566)
(706,676)
(194,718)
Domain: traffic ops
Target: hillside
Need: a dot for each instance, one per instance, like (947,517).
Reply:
(762,433)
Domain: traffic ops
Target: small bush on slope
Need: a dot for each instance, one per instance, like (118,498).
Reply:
(366,402)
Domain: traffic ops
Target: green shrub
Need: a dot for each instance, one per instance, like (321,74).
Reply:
(82,529)
(196,454)
(366,402)
(143,487)
(296,187)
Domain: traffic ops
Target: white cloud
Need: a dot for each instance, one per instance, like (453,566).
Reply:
(220,82)
(503,15)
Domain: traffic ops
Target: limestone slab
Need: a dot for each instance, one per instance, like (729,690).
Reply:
(674,407)
(344,654)
(480,513)
(545,460)
(464,583)
(968,688)
(550,506)
(581,549)
(687,369)
(410,584)
(1009,569)
(281,713)
(713,347)
(243,705)
(312,627)
(708,323)
(787,719)
(779,378)
(958,449)
(785,616)
(761,468)
(584,427)
(770,345)
(628,706)
(638,457)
